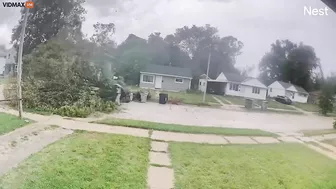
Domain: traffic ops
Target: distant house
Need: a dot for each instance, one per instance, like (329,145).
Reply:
(165,78)
(7,61)
(294,92)
(2,60)
(234,85)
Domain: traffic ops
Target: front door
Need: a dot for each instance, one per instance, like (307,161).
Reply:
(158,82)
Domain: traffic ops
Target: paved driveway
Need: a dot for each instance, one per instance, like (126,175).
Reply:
(201,116)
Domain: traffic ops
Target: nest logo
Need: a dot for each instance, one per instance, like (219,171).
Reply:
(27,4)
(310,11)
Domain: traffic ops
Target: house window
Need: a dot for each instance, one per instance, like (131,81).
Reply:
(148,78)
(256,90)
(234,87)
(178,80)
(302,94)
(270,89)
(200,83)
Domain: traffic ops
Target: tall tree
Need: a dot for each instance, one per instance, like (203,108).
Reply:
(104,47)
(47,19)
(198,42)
(290,62)
(132,55)
(158,49)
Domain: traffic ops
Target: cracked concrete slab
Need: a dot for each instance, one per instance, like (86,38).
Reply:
(159,158)
(159,146)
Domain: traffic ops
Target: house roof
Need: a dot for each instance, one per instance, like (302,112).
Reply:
(235,77)
(284,84)
(298,88)
(168,70)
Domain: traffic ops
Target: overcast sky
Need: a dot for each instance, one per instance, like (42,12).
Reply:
(257,23)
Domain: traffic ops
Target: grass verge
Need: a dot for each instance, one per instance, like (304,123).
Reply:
(184,128)
(307,107)
(9,123)
(84,160)
(330,141)
(235,100)
(275,166)
(278,105)
(318,132)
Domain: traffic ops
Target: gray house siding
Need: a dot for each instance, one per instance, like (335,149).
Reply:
(169,84)
(145,84)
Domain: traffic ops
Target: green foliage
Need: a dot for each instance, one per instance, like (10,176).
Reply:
(334,124)
(72,111)
(290,62)
(188,47)
(326,100)
(60,80)
(53,18)
(10,92)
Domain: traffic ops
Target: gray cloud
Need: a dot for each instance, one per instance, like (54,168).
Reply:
(256,23)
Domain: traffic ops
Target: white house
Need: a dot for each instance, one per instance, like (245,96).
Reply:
(234,85)
(3,56)
(294,92)
(7,61)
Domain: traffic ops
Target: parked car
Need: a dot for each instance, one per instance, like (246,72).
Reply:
(283,100)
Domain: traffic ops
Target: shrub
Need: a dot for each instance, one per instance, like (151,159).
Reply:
(334,124)
(72,111)
(61,79)
(10,92)
(326,100)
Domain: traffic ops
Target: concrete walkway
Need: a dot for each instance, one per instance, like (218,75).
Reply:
(14,148)
(160,173)
(221,102)
(21,143)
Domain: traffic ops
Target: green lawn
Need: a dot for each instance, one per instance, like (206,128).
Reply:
(3,81)
(191,98)
(9,123)
(277,166)
(275,104)
(84,160)
(307,107)
(331,142)
(271,103)
(235,100)
(184,128)
(318,132)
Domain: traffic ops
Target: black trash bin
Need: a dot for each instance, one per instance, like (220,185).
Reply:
(163,98)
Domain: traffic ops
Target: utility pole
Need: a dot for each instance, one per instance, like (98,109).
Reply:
(207,75)
(19,65)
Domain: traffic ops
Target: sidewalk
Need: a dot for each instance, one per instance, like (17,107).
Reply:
(162,136)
